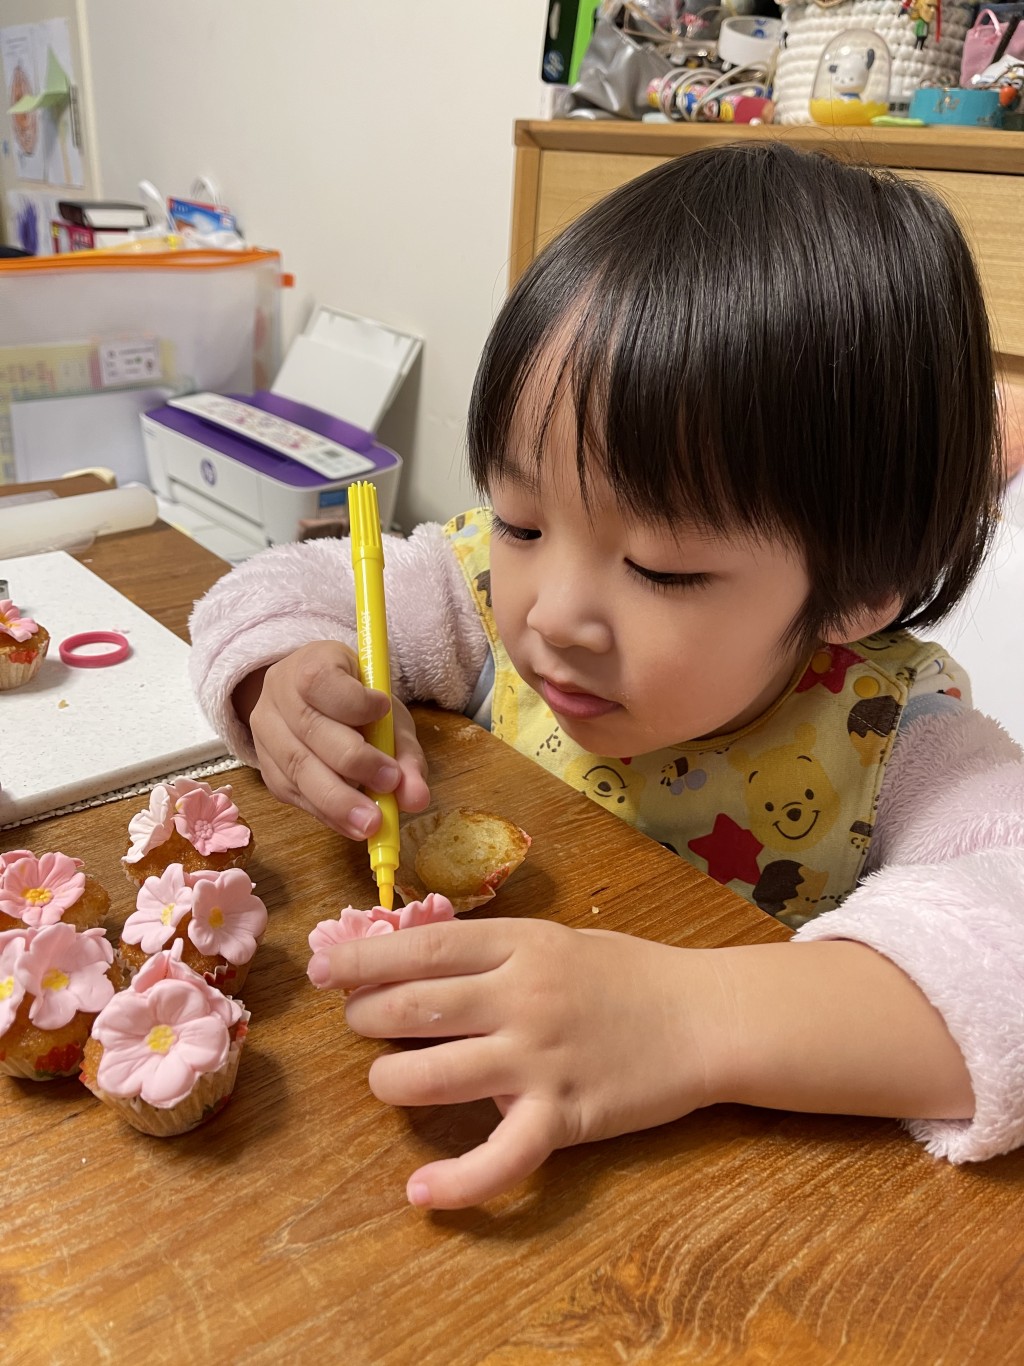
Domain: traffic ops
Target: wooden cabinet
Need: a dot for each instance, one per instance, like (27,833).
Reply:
(563,166)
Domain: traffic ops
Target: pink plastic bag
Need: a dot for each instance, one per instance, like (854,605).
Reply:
(980,45)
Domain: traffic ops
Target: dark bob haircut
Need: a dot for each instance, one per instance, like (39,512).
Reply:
(765,341)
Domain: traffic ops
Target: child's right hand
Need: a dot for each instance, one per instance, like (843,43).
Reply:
(305,727)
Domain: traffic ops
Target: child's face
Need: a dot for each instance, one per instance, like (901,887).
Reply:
(627,664)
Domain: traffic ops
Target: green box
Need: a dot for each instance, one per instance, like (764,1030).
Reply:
(567,33)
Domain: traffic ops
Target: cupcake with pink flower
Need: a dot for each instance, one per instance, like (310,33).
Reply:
(190,823)
(164,1054)
(23,646)
(38,891)
(53,982)
(216,916)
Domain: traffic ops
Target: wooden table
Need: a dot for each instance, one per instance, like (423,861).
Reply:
(280,1231)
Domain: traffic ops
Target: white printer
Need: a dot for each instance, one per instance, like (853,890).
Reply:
(275,465)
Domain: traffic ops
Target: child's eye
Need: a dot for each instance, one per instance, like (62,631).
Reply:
(510,532)
(654,578)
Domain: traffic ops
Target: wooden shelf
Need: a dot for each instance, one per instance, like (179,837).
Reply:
(565,165)
(938,149)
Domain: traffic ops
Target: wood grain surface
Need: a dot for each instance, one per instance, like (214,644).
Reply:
(280,1232)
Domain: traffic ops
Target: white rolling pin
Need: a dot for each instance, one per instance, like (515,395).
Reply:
(57,523)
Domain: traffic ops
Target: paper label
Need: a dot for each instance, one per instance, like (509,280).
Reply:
(135,361)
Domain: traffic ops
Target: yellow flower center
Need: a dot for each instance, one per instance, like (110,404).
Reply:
(160,1038)
(6,988)
(166,913)
(55,980)
(216,917)
(38,896)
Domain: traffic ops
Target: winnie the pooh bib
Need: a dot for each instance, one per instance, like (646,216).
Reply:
(781,811)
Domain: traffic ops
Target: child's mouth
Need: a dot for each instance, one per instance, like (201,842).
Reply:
(581,706)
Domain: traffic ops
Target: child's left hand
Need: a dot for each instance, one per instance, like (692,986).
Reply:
(576,1034)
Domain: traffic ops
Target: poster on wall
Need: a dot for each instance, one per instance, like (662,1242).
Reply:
(18,49)
(39,82)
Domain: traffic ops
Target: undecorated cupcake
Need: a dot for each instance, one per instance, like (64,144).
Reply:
(53,983)
(464,854)
(190,823)
(41,891)
(23,646)
(164,1054)
(215,916)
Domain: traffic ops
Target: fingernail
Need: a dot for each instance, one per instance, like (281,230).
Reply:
(418,1193)
(362,818)
(319,970)
(386,778)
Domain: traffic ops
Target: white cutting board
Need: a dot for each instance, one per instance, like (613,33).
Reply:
(122,724)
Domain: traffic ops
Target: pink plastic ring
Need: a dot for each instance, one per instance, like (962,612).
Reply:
(73,643)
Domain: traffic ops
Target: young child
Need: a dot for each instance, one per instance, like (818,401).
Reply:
(737,427)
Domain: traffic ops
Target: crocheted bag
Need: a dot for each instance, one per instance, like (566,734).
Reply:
(808,28)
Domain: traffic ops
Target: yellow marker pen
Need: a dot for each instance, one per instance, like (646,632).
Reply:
(374,669)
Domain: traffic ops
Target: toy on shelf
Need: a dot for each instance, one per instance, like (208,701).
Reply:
(852,82)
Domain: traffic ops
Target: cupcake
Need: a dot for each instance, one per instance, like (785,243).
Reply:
(41,891)
(23,646)
(465,855)
(215,916)
(189,823)
(164,1054)
(53,982)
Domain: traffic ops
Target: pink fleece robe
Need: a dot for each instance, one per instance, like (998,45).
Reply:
(945,895)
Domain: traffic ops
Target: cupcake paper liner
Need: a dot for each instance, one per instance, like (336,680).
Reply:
(410,887)
(208,1096)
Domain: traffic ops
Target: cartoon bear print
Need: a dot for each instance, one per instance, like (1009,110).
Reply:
(789,891)
(790,802)
(605,783)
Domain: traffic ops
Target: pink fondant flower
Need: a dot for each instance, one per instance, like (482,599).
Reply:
(432,908)
(350,924)
(12,949)
(209,820)
(66,971)
(157,1042)
(167,964)
(227,919)
(39,891)
(161,905)
(151,828)
(12,623)
(10,857)
(180,787)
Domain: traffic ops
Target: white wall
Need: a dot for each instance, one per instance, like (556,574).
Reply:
(370,143)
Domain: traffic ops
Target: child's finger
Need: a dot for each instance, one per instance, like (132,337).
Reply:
(525,1138)
(429,1008)
(412,792)
(453,948)
(323,794)
(446,1074)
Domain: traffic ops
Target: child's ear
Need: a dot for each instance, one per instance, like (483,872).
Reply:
(865,621)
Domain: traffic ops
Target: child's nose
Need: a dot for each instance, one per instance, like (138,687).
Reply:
(568,614)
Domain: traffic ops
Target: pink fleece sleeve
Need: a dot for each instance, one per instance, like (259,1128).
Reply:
(290,595)
(946,904)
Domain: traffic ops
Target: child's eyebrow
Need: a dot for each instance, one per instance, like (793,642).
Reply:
(513,473)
